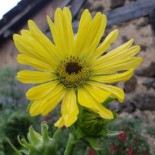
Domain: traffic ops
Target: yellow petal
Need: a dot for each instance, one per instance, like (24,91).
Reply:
(88,101)
(56,38)
(83,98)
(42,39)
(67,14)
(31,47)
(105,44)
(124,64)
(40,106)
(115,56)
(27,76)
(24,48)
(93,37)
(69,108)
(110,54)
(63,25)
(83,31)
(35,108)
(115,91)
(114,77)
(123,46)
(104,112)
(25,33)
(96,32)
(35,63)
(70,34)
(60,123)
(53,98)
(100,95)
(40,91)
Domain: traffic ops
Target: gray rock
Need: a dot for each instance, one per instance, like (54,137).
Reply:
(130,85)
(149,83)
(127,106)
(114,105)
(148,71)
(144,101)
(117,3)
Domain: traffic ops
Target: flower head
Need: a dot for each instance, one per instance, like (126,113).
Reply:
(73,69)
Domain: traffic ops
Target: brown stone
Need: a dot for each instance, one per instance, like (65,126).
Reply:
(130,85)
(117,3)
(144,101)
(148,71)
(149,83)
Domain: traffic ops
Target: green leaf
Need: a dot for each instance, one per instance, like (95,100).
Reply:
(107,101)
(113,133)
(115,114)
(92,142)
(29,105)
(79,133)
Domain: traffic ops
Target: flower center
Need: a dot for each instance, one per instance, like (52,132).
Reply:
(73,67)
(73,72)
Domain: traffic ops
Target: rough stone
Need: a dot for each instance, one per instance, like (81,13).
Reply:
(143,23)
(117,3)
(124,38)
(143,47)
(144,101)
(127,107)
(99,9)
(148,71)
(114,105)
(130,85)
(149,83)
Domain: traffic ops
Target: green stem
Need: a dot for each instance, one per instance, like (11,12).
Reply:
(56,134)
(13,147)
(70,145)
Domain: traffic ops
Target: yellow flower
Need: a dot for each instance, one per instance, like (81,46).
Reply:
(73,69)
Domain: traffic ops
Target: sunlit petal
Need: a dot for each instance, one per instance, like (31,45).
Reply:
(115,91)
(69,108)
(40,91)
(27,76)
(114,77)
(88,101)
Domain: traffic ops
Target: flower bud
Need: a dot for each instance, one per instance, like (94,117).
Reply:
(91,123)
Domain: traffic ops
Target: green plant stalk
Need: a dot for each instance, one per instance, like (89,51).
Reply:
(56,134)
(70,145)
(13,147)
